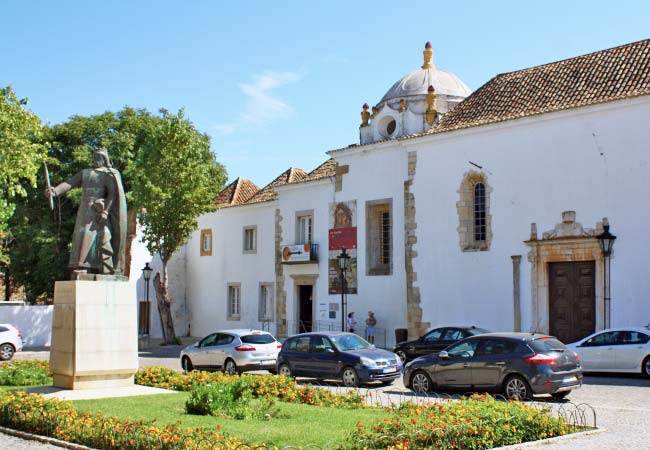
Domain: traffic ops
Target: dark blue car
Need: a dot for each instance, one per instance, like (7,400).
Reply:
(337,355)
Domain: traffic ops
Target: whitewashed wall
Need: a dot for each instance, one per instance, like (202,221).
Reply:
(592,160)
(313,196)
(208,276)
(376,175)
(177,285)
(35,322)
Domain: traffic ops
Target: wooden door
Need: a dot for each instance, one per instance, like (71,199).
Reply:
(572,300)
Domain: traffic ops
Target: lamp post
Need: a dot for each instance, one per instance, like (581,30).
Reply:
(344,264)
(606,243)
(146,274)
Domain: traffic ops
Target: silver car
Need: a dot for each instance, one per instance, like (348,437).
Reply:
(233,351)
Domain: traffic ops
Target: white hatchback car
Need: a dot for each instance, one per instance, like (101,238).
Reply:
(11,341)
(624,349)
(233,351)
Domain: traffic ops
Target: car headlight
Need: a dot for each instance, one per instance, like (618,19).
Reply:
(368,362)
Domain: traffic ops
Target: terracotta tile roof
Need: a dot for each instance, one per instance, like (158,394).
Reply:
(325,170)
(607,75)
(236,193)
(291,175)
(603,76)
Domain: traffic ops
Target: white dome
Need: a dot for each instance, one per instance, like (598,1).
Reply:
(417,82)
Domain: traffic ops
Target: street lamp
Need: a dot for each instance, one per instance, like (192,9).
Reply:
(146,274)
(344,265)
(606,243)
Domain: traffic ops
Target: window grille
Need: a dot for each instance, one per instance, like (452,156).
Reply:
(480,229)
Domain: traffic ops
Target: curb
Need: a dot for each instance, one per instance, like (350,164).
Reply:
(553,440)
(43,439)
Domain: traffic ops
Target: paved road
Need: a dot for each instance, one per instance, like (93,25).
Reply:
(621,402)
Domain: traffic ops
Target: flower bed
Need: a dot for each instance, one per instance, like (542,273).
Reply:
(479,422)
(55,418)
(280,387)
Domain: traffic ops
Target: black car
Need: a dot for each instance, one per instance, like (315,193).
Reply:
(434,341)
(518,364)
(337,355)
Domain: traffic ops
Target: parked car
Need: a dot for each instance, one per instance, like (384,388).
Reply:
(615,350)
(337,355)
(232,351)
(11,341)
(518,364)
(434,341)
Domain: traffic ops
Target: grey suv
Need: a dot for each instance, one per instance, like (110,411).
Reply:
(518,364)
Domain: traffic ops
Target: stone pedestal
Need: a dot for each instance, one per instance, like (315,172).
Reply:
(94,334)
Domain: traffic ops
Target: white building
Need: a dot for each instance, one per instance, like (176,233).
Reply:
(457,208)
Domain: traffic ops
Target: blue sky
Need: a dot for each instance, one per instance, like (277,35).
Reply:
(277,84)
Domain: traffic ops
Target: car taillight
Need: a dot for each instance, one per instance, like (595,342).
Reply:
(577,357)
(20,333)
(540,358)
(245,348)
(279,345)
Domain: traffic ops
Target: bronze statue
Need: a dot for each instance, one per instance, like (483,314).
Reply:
(99,239)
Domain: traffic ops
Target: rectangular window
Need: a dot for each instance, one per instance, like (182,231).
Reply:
(266,302)
(304,233)
(379,237)
(250,239)
(234,301)
(206,242)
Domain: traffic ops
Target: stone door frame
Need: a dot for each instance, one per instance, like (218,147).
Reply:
(303,280)
(567,242)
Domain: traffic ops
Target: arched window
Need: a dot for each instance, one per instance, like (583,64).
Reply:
(473,207)
(479,212)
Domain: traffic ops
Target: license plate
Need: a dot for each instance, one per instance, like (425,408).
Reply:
(390,370)
(265,362)
(570,379)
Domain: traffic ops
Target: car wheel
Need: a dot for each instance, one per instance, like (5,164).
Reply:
(187,364)
(401,355)
(421,383)
(517,388)
(349,377)
(6,352)
(230,367)
(645,367)
(284,370)
(560,395)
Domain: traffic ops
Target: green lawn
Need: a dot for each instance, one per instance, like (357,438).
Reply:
(296,424)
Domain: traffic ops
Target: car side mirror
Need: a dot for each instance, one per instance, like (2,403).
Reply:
(329,350)
(372,346)
(443,354)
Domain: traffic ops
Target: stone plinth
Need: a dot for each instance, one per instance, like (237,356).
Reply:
(94,334)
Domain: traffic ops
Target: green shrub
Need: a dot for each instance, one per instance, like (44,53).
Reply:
(24,373)
(233,399)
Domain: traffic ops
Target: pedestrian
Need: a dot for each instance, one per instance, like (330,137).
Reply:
(351,322)
(371,321)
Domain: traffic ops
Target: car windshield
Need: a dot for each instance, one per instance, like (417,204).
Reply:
(547,344)
(345,342)
(257,339)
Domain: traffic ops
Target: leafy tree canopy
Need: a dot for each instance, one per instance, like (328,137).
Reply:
(175,180)
(21,153)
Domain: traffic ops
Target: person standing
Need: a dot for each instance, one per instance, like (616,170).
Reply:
(371,321)
(351,322)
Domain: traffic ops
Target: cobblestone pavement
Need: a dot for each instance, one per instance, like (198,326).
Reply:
(621,402)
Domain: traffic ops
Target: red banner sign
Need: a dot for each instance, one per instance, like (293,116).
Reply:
(343,237)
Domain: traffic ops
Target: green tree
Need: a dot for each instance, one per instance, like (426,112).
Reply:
(41,244)
(21,153)
(176,179)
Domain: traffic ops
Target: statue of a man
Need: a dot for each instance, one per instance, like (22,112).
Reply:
(99,239)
